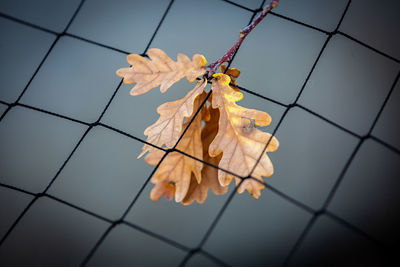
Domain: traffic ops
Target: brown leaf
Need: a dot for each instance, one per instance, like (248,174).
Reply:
(160,70)
(209,175)
(162,188)
(177,169)
(238,139)
(167,129)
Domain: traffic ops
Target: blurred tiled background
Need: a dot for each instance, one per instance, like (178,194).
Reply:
(326,71)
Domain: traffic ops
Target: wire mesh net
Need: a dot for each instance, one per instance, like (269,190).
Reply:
(317,212)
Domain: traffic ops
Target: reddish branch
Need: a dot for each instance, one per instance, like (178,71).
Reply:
(243,34)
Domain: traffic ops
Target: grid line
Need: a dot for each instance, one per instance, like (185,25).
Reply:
(288,107)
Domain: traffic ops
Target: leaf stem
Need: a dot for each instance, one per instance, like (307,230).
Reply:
(243,34)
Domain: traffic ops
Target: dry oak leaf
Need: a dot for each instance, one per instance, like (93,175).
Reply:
(177,169)
(160,70)
(209,174)
(239,141)
(163,188)
(167,129)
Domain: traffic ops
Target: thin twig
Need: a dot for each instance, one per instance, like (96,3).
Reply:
(243,34)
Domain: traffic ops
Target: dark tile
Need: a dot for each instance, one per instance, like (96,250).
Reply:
(257,232)
(125,246)
(199,260)
(376,25)
(51,234)
(368,196)
(388,125)
(331,244)
(12,203)
(349,84)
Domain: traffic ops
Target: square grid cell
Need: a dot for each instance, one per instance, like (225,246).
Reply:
(173,220)
(324,14)
(89,179)
(51,234)
(285,54)
(49,14)
(187,30)
(200,260)
(388,125)
(310,158)
(331,244)
(349,84)
(257,232)
(77,80)
(376,25)
(18,62)
(129,247)
(12,203)
(374,175)
(33,146)
(123,24)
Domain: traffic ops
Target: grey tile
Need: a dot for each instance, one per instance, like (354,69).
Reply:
(311,155)
(388,125)
(199,260)
(184,224)
(368,196)
(321,14)
(257,232)
(276,58)
(253,4)
(53,15)
(125,246)
(2,109)
(12,203)
(349,84)
(103,175)
(124,24)
(33,146)
(376,25)
(77,80)
(205,27)
(22,50)
(331,244)
(51,234)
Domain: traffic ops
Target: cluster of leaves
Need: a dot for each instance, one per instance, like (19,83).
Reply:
(228,136)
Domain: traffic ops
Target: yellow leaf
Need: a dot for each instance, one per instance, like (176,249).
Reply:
(160,70)
(239,141)
(233,73)
(167,129)
(177,169)
(209,175)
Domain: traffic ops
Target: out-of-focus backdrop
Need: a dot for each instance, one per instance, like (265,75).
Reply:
(71,186)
